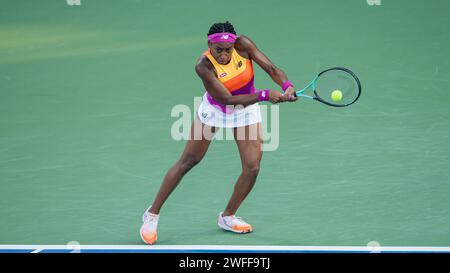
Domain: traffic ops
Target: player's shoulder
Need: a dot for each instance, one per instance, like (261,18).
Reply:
(203,65)
(244,43)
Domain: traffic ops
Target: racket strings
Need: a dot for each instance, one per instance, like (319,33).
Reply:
(337,81)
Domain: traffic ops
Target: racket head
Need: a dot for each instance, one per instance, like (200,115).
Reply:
(337,78)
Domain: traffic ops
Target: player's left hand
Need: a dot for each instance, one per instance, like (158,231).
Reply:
(290,92)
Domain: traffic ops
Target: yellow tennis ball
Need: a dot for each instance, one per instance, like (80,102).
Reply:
(336,95)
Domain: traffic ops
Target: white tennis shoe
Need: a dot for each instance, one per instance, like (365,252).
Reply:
(149,227)
(233,224)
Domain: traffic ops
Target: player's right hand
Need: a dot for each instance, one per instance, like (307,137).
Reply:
(277,97)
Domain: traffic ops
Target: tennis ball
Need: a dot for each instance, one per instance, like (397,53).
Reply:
(336,95)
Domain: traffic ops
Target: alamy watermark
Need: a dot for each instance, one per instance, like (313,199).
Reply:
(374,2)
(188,126)
(73,2)
(73,247)
(374,247)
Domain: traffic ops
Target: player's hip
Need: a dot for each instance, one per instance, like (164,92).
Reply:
(235,116)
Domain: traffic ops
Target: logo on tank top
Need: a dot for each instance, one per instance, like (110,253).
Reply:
(223,75)
(239,65)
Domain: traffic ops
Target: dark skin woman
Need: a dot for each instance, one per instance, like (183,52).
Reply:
(223,51)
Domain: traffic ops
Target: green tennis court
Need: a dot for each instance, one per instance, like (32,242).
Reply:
(86,94)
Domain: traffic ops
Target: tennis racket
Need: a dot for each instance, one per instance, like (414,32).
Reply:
(337,86)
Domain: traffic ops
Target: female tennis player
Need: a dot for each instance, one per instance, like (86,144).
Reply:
(226,70)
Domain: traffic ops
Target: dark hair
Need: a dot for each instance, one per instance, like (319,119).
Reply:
(221,27)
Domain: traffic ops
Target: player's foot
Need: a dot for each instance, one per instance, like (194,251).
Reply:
(149,226)
(233,224)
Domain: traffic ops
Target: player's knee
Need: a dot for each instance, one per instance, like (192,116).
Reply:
(251,170)
(187,162)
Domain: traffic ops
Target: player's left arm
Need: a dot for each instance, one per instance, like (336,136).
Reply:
(243,43)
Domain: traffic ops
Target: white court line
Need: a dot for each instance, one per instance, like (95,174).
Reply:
(39,248)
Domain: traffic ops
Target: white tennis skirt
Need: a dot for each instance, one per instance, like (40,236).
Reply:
(239,117)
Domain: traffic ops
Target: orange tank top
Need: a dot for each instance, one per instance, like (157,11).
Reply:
(237,76)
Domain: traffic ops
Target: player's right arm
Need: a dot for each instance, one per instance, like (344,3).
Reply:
(218,91)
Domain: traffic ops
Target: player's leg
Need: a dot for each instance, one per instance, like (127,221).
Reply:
(191,156)
(250,150)
(193,153)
